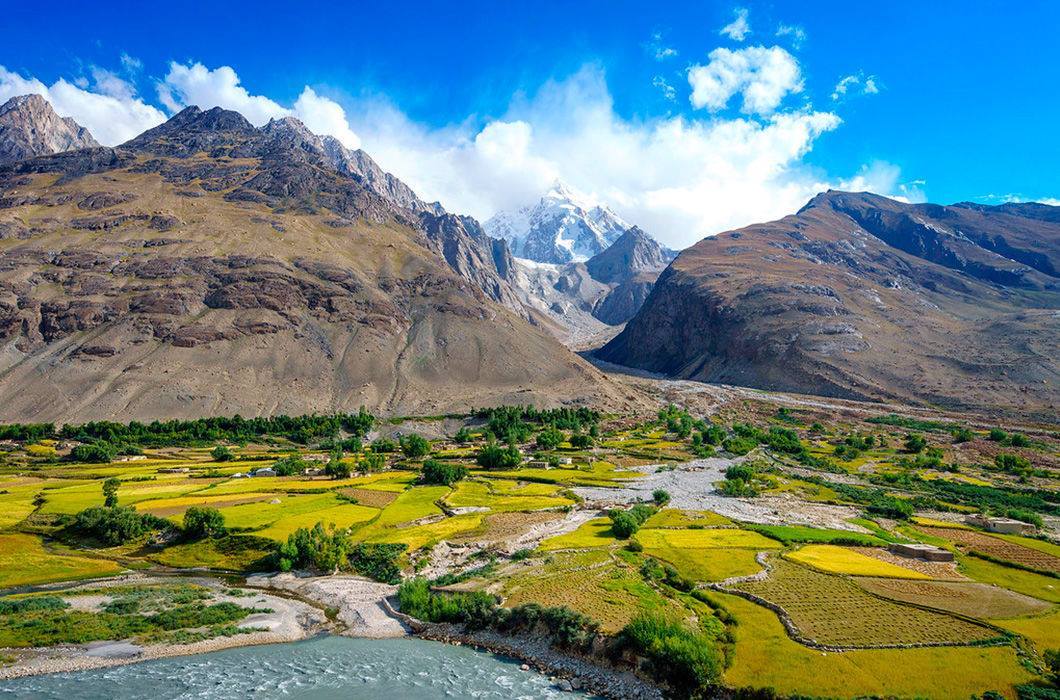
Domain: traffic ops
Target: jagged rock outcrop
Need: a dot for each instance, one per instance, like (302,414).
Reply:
(861,296)
(30,127)
(208,267)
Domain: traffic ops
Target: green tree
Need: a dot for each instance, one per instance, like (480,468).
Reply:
(222,454)
(581,440)
(95,452)
(463,436)
(201,522)
(110,492)
(442,473)
(914,442)
(493,456)
(337,469)
(549,438)
(415,446)
(384,444)
(373,462)
(661,497)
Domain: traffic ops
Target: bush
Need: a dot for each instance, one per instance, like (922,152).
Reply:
(1018,440)
(384,445)
(581,440)
(623,525)
(474,608)
(891,507)
(442,473)
(114,526)
(222,454)
(110,491)
(201,522)
(94,453)
(373,462)
(337,469)
(493,456)
(661,497)
(914,443)
(962,435)
(289,466)
(998,435)
(684,659)
(743,472)
(714,435)
(329,550)
(634,545)
(463,436)
(1012,464)
(415,446)
(738,488)
(739,445)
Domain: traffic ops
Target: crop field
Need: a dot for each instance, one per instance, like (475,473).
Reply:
(834,610)
(369,497)
(844,560)
(964,598)
(594,533)
(1010,549)
(232,553)
(592,583)
(346,515)
(414,504)
(599,473)
(1025,582)
(766,657)
(503,527)
(164,507)
(507,498)
(706,539)
(681,519)
(417,536)
(1042,630)
(25,561)
(707,564)
(256,516)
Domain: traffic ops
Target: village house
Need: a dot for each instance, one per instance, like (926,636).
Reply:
(1004,526)
(921,551)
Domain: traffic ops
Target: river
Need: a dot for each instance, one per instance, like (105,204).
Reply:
(324,667)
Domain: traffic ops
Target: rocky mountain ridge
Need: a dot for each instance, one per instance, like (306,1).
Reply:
(30,127)
(861,296)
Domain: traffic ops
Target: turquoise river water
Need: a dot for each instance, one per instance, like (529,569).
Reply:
(323,667)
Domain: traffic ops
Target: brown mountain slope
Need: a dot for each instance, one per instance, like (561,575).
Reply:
(30,127)
(208,267)
(860,296)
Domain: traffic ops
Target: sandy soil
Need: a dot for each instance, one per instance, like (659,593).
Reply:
(290,620)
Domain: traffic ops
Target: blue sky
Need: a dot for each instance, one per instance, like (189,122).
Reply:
(481,104)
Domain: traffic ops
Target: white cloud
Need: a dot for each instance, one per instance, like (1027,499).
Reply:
(658,50)
(882,177)
(1019,199)
(739,28)
(678,178)
(797,34)
(131,63)
(764,76)
(856,83)
(112,113)
(195,84)
(668,90)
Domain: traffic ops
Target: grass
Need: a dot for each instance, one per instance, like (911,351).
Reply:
(789,534)
(836,611)
(508,498)
(418,502)
(594,533)
(841,560)
(707,564)
(423,535)
(961,597)
(765,657)
(341,516)
(231,553)
(256,516)
(24,561)
(1026,582)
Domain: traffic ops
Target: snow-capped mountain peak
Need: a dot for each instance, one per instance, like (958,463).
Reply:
(563,226)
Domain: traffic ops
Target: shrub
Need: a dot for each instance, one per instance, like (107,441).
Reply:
(684,659)
(962,435)
(634,545)
(739,445)
(200,522)
(714,435)
(415,446)
(463,436)
(1018,440)
(96,452)
(914,442)
(442,473)
(581,440)
(337,469)
(623,525)
(743,472)
(114,526)
(661,497)
(1013,464)
(289,466)
(891,507)
(329,550)
(384,444)
(493,456)
(373,462)
(222,454)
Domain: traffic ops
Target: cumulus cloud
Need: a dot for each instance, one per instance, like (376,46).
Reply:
(764,76)
(885,178)
(195,84)
(855,84)
(111,112)
(739,27)
(678,178)
(796,34)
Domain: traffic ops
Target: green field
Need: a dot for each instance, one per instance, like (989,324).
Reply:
(25,561)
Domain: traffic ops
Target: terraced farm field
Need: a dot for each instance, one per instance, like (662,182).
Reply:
(25,561)
(835,611)
(1010,549)
(845,560)
(963,598)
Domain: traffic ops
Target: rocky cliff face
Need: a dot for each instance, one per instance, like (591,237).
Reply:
(30,127)
(861,296)
(209,267)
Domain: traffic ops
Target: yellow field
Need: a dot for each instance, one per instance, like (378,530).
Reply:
(766,657)
(703,564)
(507,499)
(705,539)
(843,560)
(1043,630)
(673,518)
(594,533)
(418,536)
(24,561)
(341,516)
(1026,582)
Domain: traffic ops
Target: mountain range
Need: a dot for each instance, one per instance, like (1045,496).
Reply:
(861,296)
(208,266)
(30,127)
